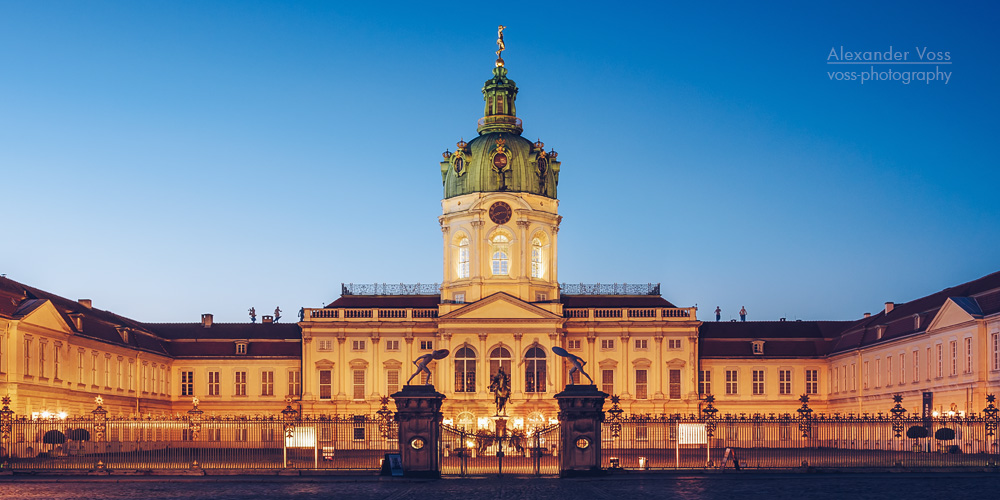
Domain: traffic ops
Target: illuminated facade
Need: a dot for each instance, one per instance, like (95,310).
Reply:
(499,306)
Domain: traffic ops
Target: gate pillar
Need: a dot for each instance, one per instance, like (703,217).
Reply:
(418,411)
(580,416)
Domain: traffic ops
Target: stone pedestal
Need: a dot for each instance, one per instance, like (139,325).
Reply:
(418,411)
(580,416)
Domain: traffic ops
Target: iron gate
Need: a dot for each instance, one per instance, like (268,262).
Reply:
(484,451)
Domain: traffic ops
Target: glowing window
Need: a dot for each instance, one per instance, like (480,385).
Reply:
(534,370)
(500,251)
(463,258)
(465,370)
(536,258)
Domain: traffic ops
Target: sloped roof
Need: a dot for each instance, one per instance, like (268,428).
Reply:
(386,301)
(227,331)
(612,301)
(221,349)
(781,338)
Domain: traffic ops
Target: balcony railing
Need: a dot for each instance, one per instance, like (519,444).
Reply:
(635,314)
(390,289)
(369,314)
(610,288)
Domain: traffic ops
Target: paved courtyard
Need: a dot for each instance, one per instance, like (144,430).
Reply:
(737,486)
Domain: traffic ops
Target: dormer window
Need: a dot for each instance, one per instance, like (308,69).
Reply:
(879,331)
(241,347)
(757,346)
(916,321)
(123,332)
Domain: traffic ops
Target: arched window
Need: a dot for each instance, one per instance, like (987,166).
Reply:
(536,258)
(500,251)
(463,258)
(534,370)
(465,369)
(499,357)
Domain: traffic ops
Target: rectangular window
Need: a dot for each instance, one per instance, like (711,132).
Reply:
(902,368)
(120,374)
(131,375)
(240,383)
(391,345)
(359,433)
(358,345)
(784,382)
(704,382)
(325,384)
(864,375)
(916,365)
(241,348)
(459,297)
(573,344)
(41,358)
(995,347)
(640,384)
(836,380)
(56,359)
(242,434)
(267,434)
(888,371)
(940,360)
(675,384)
(878,372)
(79,367)
(187,383)
(27,357)
(968,355)
(954,357)
(607,344)
(359,384)
(426,345)
(673,343)
(213,384)
(392,381)
(107,371)
(294,383)
(854,376)
(267,383)
(732,382)
(641,344)
(93,368)
(608,381)
(326,345)
(812,381)
(758,382)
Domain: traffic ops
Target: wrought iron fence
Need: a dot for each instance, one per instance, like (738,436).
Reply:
(484,452)
(390,289)
(759,441)
(194,441)
(610,288)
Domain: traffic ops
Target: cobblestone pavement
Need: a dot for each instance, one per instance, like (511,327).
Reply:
(717,486)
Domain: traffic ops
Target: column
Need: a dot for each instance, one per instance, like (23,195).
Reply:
(376,368)
(626,364)
(418,411)
(482,367)
(658,367)
(308,367)
(580,417)
(517,369)
(340,370)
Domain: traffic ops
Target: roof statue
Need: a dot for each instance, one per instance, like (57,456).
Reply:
(422,363)
(277,314)
(253,315)
(500,45)
(577,363)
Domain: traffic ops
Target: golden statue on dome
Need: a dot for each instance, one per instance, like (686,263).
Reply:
(500,44)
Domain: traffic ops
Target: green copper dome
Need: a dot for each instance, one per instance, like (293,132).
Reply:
(500,160)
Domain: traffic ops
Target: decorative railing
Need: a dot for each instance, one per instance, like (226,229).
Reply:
(610,288)
(390,289)
(647,313)
(371,313)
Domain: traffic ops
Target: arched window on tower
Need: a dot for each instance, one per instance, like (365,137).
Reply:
(536,258)
(534,369)
(465,370)
(500,251)
(499,357)
(463,258)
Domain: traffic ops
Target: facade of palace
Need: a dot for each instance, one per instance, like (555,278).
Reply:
(500,306)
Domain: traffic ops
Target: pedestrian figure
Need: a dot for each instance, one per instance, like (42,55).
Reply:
(718,313)
(743,313)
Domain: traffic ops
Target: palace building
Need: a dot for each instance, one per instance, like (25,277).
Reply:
(499,306)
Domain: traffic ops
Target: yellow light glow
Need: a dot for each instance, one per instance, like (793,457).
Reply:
(449,421)
(46,414)
(553,421)
(470,443)
(935,414)
(518,423)
(483,423)
(62,415)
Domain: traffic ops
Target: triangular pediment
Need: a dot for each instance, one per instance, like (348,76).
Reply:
(500,306)
(45,315)
(955,311)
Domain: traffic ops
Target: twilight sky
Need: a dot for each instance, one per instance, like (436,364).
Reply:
(168,159)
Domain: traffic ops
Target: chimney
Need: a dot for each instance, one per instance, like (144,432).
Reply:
(267,319)
(781,319)
(889,306)
(868,315)
(86,303)
(206,320)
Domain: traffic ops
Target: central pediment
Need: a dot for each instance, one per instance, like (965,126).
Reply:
(500,305)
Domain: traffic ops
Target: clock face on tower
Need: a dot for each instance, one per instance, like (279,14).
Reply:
(500,212)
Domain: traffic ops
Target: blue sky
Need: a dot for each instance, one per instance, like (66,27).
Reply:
(168,159)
